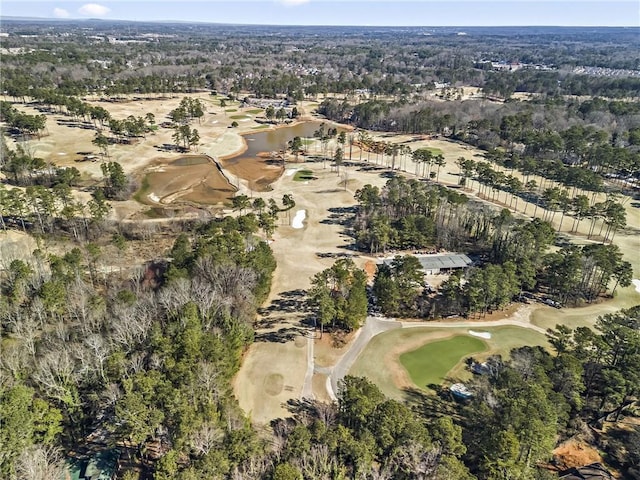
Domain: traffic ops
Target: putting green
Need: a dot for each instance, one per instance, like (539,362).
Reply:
(431,362)
(434,150)
(303,175)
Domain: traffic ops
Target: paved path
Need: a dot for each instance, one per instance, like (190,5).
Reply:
(307,388)
(372,327)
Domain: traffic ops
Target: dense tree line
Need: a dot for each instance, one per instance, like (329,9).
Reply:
(269,61)
(521,406)
(152,367)
(25,124)
(339,296)
(532,138)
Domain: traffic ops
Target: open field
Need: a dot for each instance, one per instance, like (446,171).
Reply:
(430,363)
(262,394)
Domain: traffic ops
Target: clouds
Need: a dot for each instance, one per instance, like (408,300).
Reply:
(93,10)
(60,13)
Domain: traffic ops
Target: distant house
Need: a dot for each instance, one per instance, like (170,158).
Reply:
(440,262)
(595,471)
(480,368)
(101,466)
(460,391)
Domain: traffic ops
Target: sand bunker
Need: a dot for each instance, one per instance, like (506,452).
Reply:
(291,171)
(636,283)
(260,173)
(485,335)
(298,220)
(193,178)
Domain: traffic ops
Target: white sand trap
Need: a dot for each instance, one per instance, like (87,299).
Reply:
(213,122)
(153,197)
(636,283)
(486,335)
(61,153)
(298,220)
(291,171)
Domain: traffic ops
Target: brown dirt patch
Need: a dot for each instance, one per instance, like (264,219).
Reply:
(326,351)
(192,178)
(575,453)
(370,269)
(260,173)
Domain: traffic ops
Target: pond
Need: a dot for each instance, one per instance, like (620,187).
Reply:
(278,138)
(254,165)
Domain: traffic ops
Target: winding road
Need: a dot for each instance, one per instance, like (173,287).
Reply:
(376,325)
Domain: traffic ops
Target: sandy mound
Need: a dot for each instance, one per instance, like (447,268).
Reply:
(486,335)
(298,220)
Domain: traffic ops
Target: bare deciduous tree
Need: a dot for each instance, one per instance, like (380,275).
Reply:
(206,438)
(40,463)
(56,375)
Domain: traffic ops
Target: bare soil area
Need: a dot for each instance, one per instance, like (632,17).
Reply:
(574,453)
(259,173)
(189,178)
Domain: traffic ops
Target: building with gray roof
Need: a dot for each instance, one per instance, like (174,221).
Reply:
(440,262)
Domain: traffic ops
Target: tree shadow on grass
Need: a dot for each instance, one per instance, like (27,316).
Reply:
(292,301)
(434,404)
(283,335)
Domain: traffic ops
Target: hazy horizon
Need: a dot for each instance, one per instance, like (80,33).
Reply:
(387,13)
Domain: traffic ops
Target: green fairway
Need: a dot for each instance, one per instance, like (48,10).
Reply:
(259,127)
(255,111)
(303,175)
(434,150)
(239,117)
(229,110)
(431,362)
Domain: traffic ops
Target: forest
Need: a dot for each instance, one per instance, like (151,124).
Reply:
(140,358)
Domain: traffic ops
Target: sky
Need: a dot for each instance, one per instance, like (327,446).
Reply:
(344,12)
